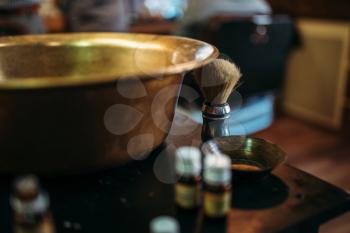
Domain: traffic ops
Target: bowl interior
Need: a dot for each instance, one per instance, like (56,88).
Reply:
(248,154)
(96,57)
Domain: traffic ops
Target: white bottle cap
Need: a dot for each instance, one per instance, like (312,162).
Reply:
(164,224)
(28,198)
(217,169)
(188,161)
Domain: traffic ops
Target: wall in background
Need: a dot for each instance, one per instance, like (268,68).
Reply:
(324,26)
(315,87)
(330,9)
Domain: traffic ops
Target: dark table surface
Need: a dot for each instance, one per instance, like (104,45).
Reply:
(125,199)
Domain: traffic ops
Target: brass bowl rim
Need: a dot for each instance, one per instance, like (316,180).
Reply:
(283,158)
(30,83)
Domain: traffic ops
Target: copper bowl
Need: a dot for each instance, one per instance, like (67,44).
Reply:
(251,158)
(72,103)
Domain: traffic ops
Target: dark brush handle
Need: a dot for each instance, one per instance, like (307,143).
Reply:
(215,121)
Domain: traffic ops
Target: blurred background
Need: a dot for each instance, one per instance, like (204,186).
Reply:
(294,57)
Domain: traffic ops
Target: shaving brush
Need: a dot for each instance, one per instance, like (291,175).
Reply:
(216,80)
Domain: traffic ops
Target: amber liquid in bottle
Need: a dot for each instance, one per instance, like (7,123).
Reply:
(217,186)
(31,207)
(188,193)
(188,186)
(217,201)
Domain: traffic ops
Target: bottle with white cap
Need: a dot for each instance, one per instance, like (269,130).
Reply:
(217,185)
(31,207)
(188,170)
(164,224)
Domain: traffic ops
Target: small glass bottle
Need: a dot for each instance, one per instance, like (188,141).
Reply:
(30,206)
(164,224)
(217,186)
(188,170)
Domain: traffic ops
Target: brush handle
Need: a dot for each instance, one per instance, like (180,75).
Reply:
(215,121)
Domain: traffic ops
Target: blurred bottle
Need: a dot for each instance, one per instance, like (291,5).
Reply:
(31,207)
(217,186)
(188,171)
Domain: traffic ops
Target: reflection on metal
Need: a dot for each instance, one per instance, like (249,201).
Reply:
(95,58)
(55,101)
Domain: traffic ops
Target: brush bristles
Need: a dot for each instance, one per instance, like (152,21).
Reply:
(217,81)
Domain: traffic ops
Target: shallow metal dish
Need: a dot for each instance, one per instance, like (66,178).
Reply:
(251,158)
(72,103)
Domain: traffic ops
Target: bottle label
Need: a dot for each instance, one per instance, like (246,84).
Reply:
(216,205)
(186,196)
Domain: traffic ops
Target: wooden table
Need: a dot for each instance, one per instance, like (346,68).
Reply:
(125,199)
